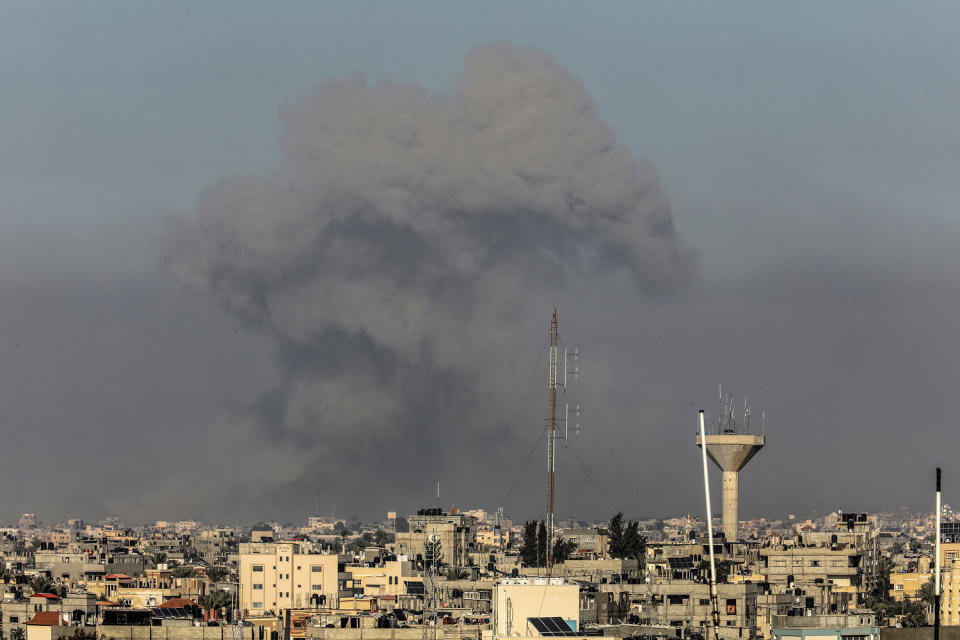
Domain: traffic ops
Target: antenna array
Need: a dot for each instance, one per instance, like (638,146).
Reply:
(725,420)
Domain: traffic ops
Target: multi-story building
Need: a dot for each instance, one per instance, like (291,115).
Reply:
(286,575)
(452,537)
(386,579)
(591,542)
(833,568)
(684,603)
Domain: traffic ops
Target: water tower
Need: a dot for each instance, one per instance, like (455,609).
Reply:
(731,449)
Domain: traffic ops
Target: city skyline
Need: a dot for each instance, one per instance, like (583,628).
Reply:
(776,214)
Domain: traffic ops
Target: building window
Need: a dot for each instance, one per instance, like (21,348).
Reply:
(316,568)
(316,587)
(258,567)
(258,605)
(258,586)
(14,618)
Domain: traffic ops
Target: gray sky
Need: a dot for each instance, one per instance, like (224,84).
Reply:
(809,154)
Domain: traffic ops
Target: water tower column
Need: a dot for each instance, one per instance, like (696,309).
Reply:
(731,491)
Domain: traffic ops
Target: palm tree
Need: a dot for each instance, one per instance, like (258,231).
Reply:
(217,574)
(183,571)
(41,584)
(158,559)
(223,601)
(219,602)
(457,573)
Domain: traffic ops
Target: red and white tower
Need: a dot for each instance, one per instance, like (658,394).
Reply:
(552,383)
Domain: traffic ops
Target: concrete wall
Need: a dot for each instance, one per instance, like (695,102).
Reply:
(444,632)
(919,633)
(125,632)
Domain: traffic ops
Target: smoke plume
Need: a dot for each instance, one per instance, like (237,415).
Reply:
(405,248)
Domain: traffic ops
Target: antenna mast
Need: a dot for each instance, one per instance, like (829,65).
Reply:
(552,381)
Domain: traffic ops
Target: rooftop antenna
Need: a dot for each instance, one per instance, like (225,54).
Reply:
(746,416)
(438,494)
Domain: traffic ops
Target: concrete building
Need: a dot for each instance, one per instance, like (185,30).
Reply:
(686,604)
(285,575)
(518,600)
(386,579)
(591,542)
(454,534)
(906,586)
(835,570)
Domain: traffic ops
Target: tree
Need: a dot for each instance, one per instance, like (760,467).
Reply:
(626,541)
(542,544)
(898,548)
(17,633)
(528,549)
(218,601)
(457,573)
(723,570)
(914,615)
(158,559)
(382,538)
(217,574)
(355,546)
(41,584)
(927,595)
(183,571)
(635,544)
(615,536)
(881,592)
(562,549)
(915,545)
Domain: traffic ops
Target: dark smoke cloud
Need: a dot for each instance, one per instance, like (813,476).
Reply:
(404,249)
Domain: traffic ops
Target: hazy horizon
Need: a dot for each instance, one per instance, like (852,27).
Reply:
(257,261)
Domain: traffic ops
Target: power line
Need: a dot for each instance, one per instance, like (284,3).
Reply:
(610,447)
(523,469)
(593,479)
(516,409)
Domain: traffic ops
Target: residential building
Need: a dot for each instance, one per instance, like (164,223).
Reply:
(452,536)
(286,575)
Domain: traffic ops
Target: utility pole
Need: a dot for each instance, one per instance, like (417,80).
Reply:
(936,582)
(715,605)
